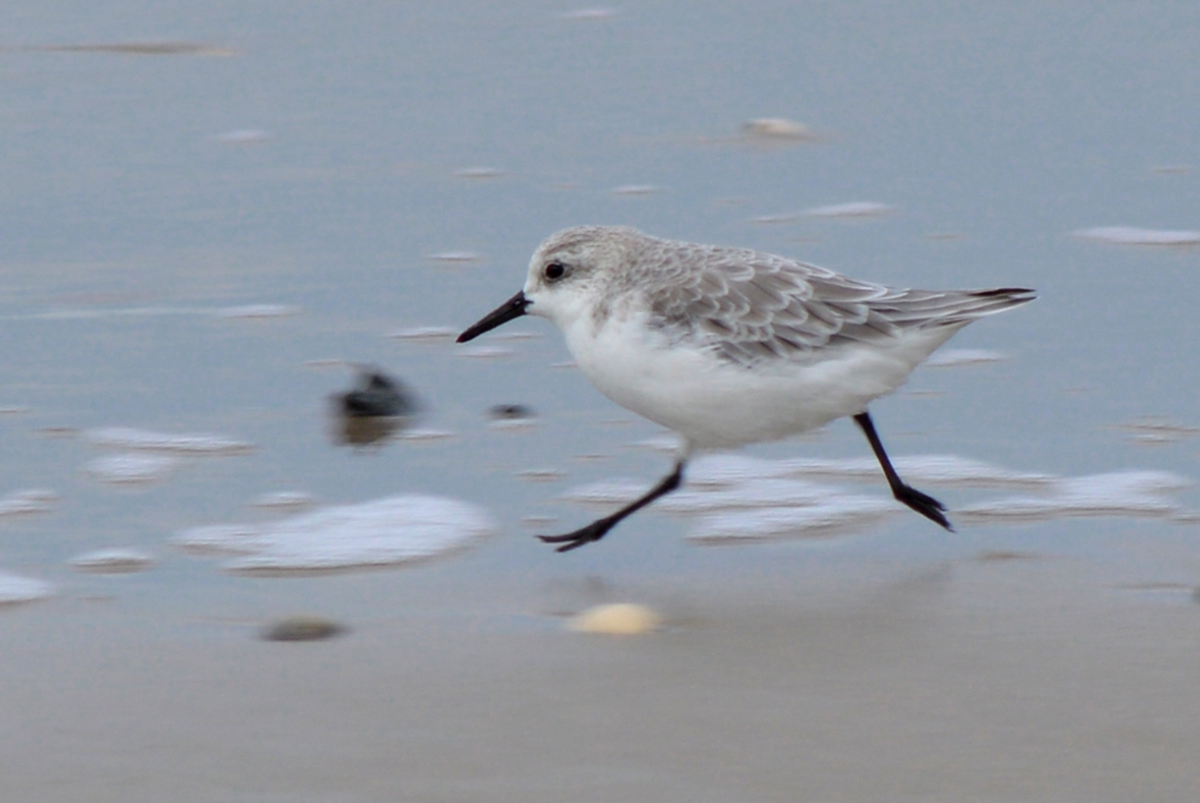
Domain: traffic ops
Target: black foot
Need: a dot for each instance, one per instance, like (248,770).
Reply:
(584,535)
(924,504)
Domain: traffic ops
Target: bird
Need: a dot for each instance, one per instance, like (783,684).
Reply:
(732,346)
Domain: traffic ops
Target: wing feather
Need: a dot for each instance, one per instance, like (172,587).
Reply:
(750,306)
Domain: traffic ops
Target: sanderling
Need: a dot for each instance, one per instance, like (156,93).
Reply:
(728,346)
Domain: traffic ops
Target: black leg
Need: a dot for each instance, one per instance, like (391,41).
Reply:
(924,504)
(598,528)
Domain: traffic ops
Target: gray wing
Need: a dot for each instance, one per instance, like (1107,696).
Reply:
(750,307)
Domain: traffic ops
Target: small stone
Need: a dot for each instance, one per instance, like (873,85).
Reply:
(617,619)
(377,396)
(509,412)
(302,628)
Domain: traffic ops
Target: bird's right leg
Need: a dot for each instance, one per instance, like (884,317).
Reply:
(924,504)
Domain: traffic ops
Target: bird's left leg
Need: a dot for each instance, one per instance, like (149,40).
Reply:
(598,528)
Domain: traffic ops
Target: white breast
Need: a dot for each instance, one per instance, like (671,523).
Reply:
(715,403)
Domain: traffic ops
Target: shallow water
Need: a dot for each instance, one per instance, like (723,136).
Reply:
(212,214)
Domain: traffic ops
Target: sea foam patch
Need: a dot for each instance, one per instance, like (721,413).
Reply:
(383,532)
(15,589)
(1119,493)
(284,500)
(1130,235)
(130,468)
(852,209)
(759,494)
(777,128)
(425,334)
(258,311)
(1154,430)
(115,560)
(948,470)
(735,499)
(752,510)
(951,358)
(27,502)
(129,438)
(836,514)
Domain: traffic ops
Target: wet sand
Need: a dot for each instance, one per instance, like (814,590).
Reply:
(1004,679)
(209,245)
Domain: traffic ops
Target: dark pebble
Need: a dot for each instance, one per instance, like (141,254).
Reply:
(302,628)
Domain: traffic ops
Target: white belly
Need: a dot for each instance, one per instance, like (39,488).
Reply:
(715,403)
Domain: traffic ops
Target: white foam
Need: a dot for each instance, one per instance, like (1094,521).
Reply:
(27,502)
(725,481)
(478,173)
(542,474)
(777,128)
(16,589)
(700,497)
(836,514)
(283,500)
(1157,429)
(948,470)
(667,443)
(146,440)
(852,209)
(743,499)
(782,217)
(486,352)
(1129,235)
(758,494)
(954,357)
(423,435)
(727,470)
(425,334)
(130,468)
(1121,493)
(514,334)
(258,311)
(218,539)
(636,189)
(522,424)
(113,561)
(383,532)
(457,257)
(607,492)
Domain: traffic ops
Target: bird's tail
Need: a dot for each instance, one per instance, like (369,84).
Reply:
(929,308)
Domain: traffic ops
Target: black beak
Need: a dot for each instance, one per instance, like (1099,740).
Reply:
(513,308)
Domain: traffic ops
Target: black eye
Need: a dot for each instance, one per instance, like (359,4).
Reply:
(555,271)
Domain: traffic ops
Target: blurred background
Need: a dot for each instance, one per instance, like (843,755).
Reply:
(215,215)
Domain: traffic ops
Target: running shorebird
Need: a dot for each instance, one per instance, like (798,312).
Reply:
(728,346)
